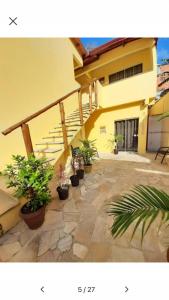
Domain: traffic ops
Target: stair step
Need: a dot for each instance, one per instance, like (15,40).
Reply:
(72,120)
(73,125)
(49,150)
(59,136)
(78,114)
(49,143)
(52,137)
(87,104)
(74,117)
(60,131)
(7,202)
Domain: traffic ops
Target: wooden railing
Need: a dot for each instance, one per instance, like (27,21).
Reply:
(25,127)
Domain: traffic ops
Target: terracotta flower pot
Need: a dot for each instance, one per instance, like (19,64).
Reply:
(34,219)
(88,168)
(63,192)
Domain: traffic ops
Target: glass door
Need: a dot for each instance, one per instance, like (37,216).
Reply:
(129,130)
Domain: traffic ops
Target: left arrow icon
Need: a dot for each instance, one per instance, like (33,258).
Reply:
(42,289)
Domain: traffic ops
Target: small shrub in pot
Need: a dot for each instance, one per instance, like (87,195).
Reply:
(30,177)
(88,152)
(118,138)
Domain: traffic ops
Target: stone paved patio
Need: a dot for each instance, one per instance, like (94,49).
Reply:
(78,229)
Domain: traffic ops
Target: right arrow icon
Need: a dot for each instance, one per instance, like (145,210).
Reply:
(126,289)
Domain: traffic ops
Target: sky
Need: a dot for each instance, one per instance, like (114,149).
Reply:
(162,46)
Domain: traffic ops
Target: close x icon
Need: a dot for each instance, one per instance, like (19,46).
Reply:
(13,21)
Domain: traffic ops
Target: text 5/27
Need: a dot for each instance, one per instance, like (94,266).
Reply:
(86,289)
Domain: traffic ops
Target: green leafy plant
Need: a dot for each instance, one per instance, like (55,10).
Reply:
(88,151)
(88,143)
(141,206)
(115,140)
(30,178)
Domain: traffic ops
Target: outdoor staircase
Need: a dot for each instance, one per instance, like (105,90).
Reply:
(52,145)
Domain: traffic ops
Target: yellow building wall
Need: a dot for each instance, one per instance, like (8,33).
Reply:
(140,86)
(33,73)
(107,117)
(117,101)
(124,91)
(160,107)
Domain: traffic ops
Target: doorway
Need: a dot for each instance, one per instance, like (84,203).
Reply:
(128,129)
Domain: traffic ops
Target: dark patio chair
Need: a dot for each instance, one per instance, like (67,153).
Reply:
(162,151)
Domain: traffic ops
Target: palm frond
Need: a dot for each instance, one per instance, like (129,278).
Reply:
(141,206)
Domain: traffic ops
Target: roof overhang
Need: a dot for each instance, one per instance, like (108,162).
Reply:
(79,46)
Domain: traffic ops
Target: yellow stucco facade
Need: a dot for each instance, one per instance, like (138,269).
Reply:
(34,72)
(124,99)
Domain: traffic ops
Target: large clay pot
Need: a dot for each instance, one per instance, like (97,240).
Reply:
(88,168)
(34,219)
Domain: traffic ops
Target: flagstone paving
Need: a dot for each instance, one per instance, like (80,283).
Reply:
(78,229)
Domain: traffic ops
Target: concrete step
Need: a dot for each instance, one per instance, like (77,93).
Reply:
(59,136)
(51,137)
(78,114)
(49,143)
(68,130)
(72,120)
(71,125)
(7,202)
(9,211)
(47,150)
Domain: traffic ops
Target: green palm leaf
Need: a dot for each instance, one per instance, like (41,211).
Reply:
(141,206)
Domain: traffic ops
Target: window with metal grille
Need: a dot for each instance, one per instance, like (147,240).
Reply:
(126,73)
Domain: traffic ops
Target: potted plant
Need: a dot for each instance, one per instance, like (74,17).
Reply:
(115,140)
(75,166)
(142,206)
(63,188)
(80,171)
(88,151)
(30,177)
(78,165)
